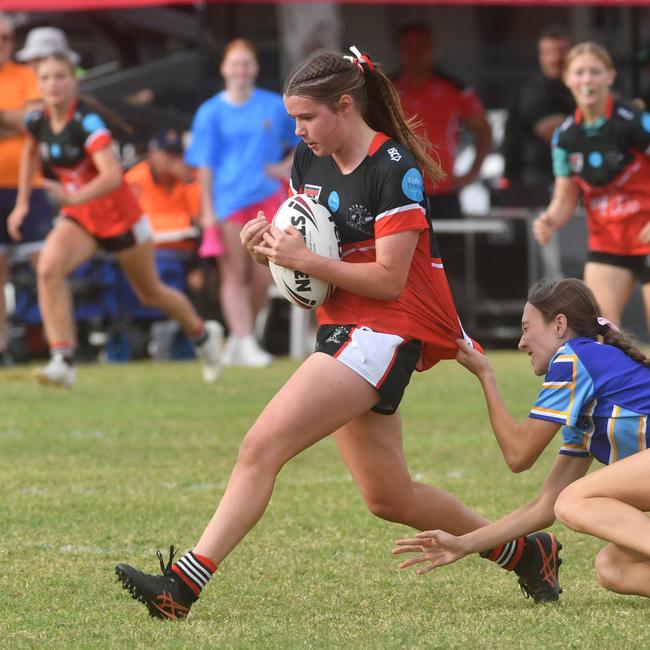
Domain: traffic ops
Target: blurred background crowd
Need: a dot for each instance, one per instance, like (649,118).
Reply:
(486,81)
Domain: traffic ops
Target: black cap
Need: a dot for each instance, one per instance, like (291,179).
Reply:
(170,141)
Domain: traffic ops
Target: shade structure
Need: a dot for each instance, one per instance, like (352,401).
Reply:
(84,5)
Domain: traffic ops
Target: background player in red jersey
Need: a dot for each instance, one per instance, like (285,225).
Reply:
(98,210)
(601,155)
(444,106)
(391,314)
(599,394)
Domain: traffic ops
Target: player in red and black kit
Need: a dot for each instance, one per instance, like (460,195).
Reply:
(443,107)
(391,314)
(98,210)
(601,155)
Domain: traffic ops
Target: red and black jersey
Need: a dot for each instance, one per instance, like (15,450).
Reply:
(383,196)
(67,156)
(608,159)
(441,104)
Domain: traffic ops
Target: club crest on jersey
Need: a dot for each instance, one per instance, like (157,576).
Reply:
(312,191)
(339,335)
(360,218)
(395,155)
(576,162)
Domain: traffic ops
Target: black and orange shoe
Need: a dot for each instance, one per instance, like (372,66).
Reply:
(539,579)
(165,596)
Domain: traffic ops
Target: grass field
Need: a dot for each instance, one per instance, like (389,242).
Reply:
(136,457)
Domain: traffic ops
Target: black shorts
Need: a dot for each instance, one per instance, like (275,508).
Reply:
(638,264)
(385,361)
(139,233)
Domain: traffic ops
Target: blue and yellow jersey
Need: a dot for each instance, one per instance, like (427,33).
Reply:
(600,396)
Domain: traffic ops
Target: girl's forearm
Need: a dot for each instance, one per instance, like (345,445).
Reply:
(26,172)
(503,424)
(536,515)
(98,186)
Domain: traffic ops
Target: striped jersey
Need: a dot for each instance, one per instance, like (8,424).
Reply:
(601,397)
(384,195)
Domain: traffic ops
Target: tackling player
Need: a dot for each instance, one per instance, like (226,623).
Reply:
(597,389)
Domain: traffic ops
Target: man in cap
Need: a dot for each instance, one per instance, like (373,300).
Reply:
(43,41)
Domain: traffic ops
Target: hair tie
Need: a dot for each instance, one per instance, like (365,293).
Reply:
(604,322)
(359,59)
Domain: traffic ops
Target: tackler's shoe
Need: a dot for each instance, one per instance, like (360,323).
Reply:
(165,596)
(540,580)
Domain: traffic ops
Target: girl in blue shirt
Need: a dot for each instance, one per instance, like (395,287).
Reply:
(242,143)
(599,394)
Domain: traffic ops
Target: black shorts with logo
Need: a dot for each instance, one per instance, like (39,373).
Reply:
(386,361)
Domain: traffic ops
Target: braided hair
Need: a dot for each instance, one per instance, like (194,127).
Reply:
(326,75)
(577,302)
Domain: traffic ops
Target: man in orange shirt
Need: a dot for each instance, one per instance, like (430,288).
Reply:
(19,94)
(444,106)
(167,192)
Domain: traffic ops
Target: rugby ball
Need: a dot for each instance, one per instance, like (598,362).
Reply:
(319,231)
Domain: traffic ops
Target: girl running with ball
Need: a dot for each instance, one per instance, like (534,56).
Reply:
(392,313)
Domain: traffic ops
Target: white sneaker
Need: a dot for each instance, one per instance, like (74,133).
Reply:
(251,354)
(231,351)
(211,352)
(57,373)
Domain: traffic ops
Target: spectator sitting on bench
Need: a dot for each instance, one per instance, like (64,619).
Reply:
(167,192)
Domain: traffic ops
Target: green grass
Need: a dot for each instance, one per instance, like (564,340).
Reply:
(136,457)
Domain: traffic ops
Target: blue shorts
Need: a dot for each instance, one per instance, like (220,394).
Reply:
(37,224)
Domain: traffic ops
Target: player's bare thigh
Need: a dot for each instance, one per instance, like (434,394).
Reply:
(320,397)
(612,286)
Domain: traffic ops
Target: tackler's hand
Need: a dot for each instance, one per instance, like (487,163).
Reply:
(433,546)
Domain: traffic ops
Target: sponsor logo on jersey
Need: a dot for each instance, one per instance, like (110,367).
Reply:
(645,121)
(55,150)
(395,155)
(625,114)
(576,162)
(313,191)
(614,158)
(92,122)
(333,201)
(595,159)
(413,185)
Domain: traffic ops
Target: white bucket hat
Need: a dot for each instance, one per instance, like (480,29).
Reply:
(43,41)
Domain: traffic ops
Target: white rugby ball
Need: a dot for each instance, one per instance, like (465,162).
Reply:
(319,231)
